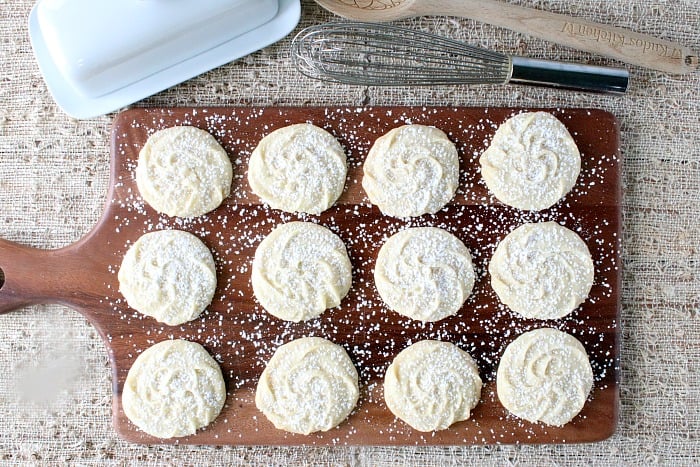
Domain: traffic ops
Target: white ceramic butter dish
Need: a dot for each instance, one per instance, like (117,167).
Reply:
(97,56)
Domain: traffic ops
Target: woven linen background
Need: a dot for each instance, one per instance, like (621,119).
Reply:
(55,382)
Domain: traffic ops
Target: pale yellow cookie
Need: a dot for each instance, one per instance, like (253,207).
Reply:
(169,275)
(424,273)
(431,385)
(309,385)
(542,270)
(532,161)
(410,171)
(299,270)
(298,168)
(173,389)
(544,376)
(183,171)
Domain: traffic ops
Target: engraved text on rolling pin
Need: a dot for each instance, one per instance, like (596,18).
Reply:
(620,40)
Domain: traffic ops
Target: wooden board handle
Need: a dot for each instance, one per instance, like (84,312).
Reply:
(32,276)
(627,46)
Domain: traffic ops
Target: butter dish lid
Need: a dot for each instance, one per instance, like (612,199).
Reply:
(97,56)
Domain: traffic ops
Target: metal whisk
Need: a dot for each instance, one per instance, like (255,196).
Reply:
(384,55)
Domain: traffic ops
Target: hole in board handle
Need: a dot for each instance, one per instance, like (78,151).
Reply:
(2,278)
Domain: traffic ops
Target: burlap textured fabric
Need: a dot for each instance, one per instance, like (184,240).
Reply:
(55,388)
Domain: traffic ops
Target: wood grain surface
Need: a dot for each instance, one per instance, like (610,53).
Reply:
(604,39)
(242,337)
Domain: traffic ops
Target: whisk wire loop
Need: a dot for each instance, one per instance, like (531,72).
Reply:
(359,53)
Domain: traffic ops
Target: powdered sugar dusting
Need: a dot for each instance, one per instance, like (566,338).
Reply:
(298,168)
(424,273)
(299,270)
(242,336)
(542,270)
(309,385)
(183,171)
(411,170)
(545,376)
(169,275)
(531,162)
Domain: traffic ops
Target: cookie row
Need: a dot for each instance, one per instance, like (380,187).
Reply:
(531,163)
(310,384)
(540,270)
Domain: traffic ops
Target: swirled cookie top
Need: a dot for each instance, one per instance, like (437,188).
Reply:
(431,385)
(544,376)
(183,171)
(309,385)
(298,168)
(169,275)
(542,270)
(532,161)
(424,273)
(173,389)
(410,171)
(299,270)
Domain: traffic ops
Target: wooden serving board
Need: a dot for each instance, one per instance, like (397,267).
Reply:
(242,337)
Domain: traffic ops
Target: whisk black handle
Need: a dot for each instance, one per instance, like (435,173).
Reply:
(568,75)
